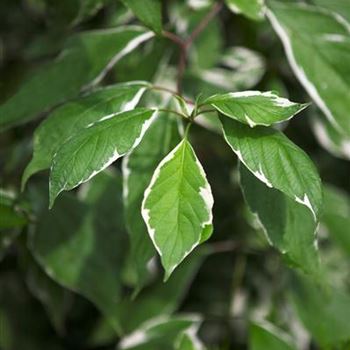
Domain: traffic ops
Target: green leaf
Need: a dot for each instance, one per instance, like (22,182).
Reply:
(188,341)
(55,299)
(255,107)
(288,225)
(71,118)
(159,333)
(85,60)
(238,69)
(177,206)
(138,168)
(264,335)
(148,11)
(341,7)
(330,138)
(10,215)
(336,216)
(305,32)
(81,245)
(96,147)
(88,8)
(324,312)
(276,161)
(253,9)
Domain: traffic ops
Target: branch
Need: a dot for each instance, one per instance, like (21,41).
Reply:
(173,37)
(184,45)
(203,23)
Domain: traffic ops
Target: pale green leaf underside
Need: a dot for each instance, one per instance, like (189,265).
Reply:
(148,11)
(138,168)
(276,161)
(266,336)
(255,107)
(253,9)
(317,41)
(288,225)
(96,147)
(85,60)
(69,119)
(177,207)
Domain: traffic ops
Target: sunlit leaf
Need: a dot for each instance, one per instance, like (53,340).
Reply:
(138,168)
(177,206)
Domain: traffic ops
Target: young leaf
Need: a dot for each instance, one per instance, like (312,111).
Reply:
(255,107)
(253,9)
(148,11)
(96,147)
(138,168)
(276,161)
(177,206)
(85,60)
(85,249)
(288,225)
(264,335)
(74,116)
(306,32)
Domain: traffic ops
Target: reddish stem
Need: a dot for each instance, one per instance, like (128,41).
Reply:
(184,45)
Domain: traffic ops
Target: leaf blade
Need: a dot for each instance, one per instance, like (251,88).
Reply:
(96,147)
(292,231)
(138,168)
(322,35)
(148,11)
(253,9)
(74,116)
(84,61)
(186,176)
(255,107)
(276,161)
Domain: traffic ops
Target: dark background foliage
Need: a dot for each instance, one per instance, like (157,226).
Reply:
(242,275)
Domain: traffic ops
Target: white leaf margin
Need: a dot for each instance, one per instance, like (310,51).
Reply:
(276,101)
(297,69)
(204,192)
(147,123)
